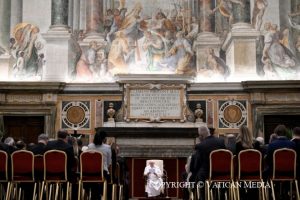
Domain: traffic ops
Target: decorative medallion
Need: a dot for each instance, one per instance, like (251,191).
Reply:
(232,114)
(76,114)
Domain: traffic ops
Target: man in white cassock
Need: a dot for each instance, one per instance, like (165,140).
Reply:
(154,180)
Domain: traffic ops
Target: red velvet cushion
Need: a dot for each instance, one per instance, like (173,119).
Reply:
(91,166)
(221,165)
(22,165)
(55,165)
(250,165)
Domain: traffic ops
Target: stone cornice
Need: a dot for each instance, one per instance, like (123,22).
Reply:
(89,88)
(153,78)
(32,87)
(215,87)
(272,86)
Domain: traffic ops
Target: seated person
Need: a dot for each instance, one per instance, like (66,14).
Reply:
(280,142)
(99,145)
(154,180)
(62,144)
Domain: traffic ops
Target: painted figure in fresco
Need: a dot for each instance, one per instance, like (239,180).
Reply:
(118,18)
(122,4)
(168,40)
(225,8)
(108,20)
(194,29)
(41,62)
(91,54)
(101,63)
(131,21)
(179,57)
(26,40)
(258,13)
(19,67)
(133,32)
(276,57)
(154,47)
(118,51)
(216,67)
(86,67)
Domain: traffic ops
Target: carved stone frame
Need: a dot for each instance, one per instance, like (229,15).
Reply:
(180,87)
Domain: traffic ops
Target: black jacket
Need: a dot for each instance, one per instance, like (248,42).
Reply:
(204,149)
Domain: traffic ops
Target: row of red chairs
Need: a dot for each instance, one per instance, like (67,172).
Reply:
(249,169)
(51,171)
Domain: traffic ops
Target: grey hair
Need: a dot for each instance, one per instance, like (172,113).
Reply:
(9,141)
(203,132)
(43,137)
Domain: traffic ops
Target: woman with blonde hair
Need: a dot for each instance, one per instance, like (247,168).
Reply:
(244,139)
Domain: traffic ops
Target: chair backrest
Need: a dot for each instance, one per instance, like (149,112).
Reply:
(250,165)
(3,166)
(158,163)
(38,167)
(91,166)
(284,164)
(55,165)
(221,165)
(22,165)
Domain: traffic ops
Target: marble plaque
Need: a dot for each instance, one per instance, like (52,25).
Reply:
(155,102)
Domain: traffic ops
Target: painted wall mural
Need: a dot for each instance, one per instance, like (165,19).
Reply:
(211,40)
(26,48)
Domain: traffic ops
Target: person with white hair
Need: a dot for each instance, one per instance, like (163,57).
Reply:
(154,180)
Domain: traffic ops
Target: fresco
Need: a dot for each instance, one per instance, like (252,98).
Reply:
(26,48)
(164,37)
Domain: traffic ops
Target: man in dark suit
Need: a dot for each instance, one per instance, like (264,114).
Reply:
(208,144)
(280,142)
(62,144)
(40,147)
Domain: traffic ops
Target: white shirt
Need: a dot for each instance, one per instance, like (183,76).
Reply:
(154,180)
(106,152)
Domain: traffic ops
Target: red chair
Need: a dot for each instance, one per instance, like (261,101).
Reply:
(284,169)
(91,171)
(221,171)
(55,174)
(250,169)
(3,173)
(22,164)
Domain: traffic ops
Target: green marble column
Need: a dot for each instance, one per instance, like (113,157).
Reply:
(59,13)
